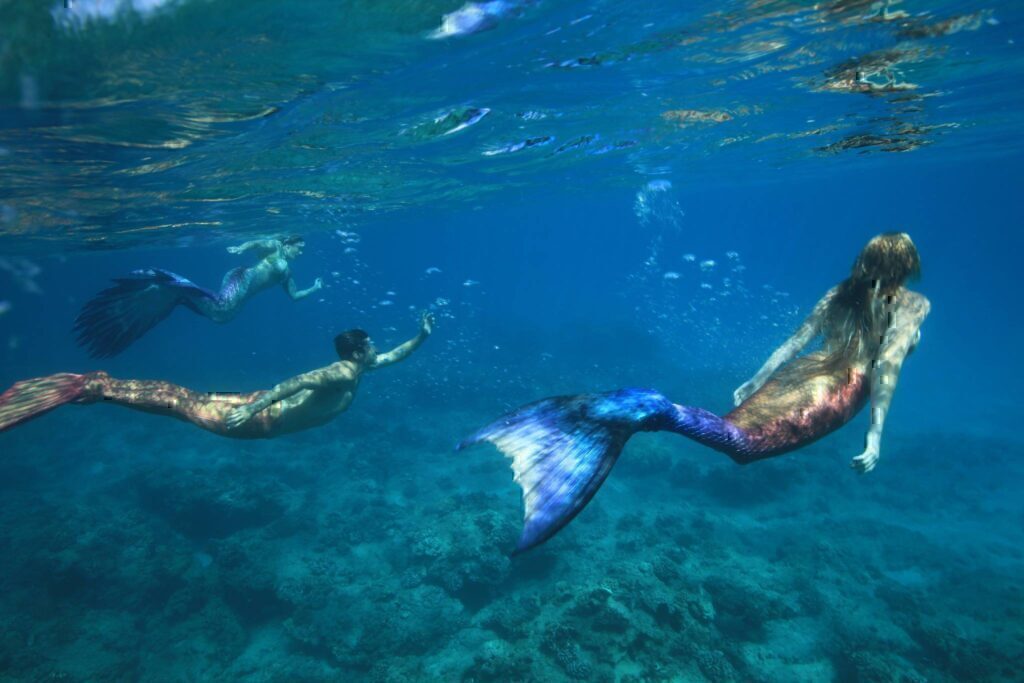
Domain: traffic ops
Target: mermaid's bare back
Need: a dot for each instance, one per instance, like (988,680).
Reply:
(241,284)
(810,397)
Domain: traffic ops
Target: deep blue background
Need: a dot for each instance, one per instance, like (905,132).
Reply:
(554,275)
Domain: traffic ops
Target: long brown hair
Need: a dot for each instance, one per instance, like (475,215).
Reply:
(856,310)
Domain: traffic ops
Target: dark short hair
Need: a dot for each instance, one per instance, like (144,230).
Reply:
(292,239)
(350,342)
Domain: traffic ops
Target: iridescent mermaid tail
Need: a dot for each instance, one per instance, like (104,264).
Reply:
(117,316)
(561,451)
(563,448)
(31,398)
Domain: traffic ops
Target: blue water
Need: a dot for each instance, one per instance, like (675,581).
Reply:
(549,238)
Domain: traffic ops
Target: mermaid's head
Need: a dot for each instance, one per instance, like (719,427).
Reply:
(855,313)
(887,261)
(292,246)
(354,345)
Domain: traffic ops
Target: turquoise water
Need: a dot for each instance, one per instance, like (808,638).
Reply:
(587,196)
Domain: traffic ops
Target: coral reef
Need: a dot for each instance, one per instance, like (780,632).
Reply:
(292,562)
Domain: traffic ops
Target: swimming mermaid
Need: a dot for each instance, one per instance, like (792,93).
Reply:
(304,401)
(116,317)
(563,448)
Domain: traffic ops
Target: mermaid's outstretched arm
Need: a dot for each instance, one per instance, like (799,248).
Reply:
(264,246)
(807,331)
(295,293)
(402,351)
(315,379)
(902,333)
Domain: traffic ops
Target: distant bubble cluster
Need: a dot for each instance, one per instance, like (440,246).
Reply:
(363,295)
(348,273)
(700,305)
(658,212)
(23,273)
(655,205)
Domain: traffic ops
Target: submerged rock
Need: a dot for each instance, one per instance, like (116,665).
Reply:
(560,644)
(496,661)
(716,667)
(203,504)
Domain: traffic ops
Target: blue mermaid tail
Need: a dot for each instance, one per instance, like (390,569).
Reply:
(111,321)
(563,448)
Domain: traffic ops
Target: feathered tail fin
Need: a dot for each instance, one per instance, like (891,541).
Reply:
(111,321)
(563,448)
(34,397)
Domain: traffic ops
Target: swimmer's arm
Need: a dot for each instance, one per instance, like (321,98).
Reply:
(788,351)
(315,379)
(402,351)
(295,293)
(265,247)
(904,331)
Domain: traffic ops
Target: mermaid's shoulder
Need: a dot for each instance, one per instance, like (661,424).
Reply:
(910,307)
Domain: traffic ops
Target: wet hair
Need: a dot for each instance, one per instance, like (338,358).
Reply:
(351,342)
(292,239)
(882,267)
(889,260)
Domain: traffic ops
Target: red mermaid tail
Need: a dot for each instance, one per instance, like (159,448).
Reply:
(31,398)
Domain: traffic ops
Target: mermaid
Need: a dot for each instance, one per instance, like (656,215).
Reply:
(116,317)
(563,448)
(304,401)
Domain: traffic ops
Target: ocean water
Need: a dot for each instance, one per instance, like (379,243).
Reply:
(587,195)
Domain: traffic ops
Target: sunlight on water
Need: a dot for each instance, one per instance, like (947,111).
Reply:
(144,98)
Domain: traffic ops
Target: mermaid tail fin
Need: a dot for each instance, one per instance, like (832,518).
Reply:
(117,316)
(31,398)
(563,448)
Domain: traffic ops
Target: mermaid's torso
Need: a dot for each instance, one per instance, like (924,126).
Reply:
(805,400)
(312,408)
(240,284)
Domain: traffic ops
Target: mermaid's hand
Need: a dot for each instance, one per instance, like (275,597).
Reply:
(745,391)
(234,250)
(426,323)
(239,416)
(865,462)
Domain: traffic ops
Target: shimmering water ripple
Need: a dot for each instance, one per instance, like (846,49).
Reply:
(171,122)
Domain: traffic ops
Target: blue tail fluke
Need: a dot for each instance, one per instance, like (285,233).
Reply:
(111,321)
(563,448)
